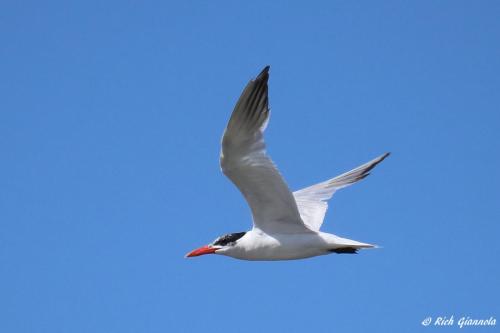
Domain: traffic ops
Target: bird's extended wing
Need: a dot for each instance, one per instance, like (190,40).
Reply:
(243,159)
(313,200)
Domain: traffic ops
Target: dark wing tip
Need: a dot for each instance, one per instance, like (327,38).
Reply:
(341,250)
(383,157)
(367,170)
(264,73)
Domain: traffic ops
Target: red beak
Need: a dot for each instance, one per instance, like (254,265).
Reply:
(201,251)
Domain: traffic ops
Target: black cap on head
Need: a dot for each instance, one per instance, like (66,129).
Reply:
(228,239)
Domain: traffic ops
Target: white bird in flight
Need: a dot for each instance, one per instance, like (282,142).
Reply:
(286,225)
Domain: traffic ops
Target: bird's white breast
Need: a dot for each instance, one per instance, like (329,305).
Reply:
(256,245)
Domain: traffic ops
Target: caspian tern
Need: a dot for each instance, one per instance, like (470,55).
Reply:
(286,225)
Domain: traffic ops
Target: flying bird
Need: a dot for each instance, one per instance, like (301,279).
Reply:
(286,225)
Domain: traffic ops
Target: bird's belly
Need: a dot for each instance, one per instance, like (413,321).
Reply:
(281,248)
(278,254)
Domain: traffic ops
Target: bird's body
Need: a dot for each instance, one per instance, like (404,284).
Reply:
(286,225)
(258,245)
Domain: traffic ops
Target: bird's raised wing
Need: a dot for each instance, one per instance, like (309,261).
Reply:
(243,159)
(312,201)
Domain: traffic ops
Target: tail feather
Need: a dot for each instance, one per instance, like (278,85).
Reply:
(344,245)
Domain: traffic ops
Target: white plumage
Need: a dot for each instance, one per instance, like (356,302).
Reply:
(312,201)
(285,225)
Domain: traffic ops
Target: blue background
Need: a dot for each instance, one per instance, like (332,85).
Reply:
(111,115)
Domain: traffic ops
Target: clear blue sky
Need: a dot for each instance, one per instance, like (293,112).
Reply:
(110,120)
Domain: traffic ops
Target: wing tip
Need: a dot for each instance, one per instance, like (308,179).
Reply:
(376,161)
(264,74)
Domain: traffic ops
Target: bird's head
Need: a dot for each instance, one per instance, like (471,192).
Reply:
(218,246)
